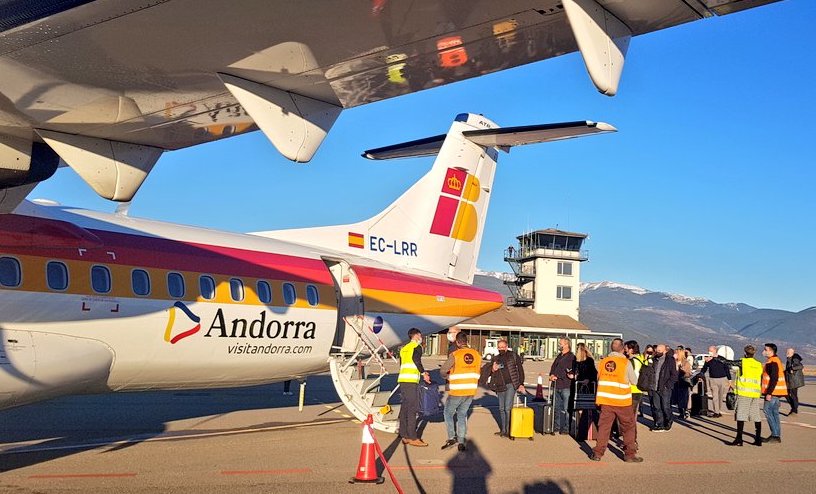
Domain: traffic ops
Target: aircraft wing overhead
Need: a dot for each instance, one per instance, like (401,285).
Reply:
(161,75)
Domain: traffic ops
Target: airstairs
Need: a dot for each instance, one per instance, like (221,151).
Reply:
(362,393)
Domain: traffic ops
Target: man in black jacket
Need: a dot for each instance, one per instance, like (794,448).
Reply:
(794,379)
(661,392)
(508,376)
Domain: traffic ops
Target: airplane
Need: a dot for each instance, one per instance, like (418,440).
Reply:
(94,302)
(106,87)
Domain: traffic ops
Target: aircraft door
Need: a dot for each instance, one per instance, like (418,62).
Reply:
(349,302)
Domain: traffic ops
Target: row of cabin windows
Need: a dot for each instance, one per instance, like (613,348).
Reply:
(56,274)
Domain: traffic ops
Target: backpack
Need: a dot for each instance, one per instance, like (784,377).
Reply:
(646,379)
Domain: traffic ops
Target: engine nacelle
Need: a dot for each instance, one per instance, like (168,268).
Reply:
(24,162)
(37,366)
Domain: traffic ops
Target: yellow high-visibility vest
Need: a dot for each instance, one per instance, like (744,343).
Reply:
(748,380)
(638,361)
(409,373)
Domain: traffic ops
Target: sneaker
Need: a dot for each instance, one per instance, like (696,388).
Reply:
(500,434)
(657,428)
(633,459)
(595,457)
(563,433)
(462,447)
(449,443)
(772,439)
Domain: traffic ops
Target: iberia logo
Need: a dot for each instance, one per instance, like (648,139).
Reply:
(454,217)
(168,332)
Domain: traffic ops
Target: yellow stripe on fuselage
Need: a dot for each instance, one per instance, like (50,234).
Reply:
(388,301)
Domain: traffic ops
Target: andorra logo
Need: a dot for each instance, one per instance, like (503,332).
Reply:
(168,332)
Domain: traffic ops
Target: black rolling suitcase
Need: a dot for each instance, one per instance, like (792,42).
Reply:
(546,419)
(699,400)
(583,410)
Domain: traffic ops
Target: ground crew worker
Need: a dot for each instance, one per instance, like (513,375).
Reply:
(748,391)
(410,371)
(462,370)
(615,378)
(773,387)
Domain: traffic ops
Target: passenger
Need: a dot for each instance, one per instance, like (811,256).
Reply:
(615,376)
(462,371)
(661,392)
(410,371)
(794,379)
(452,332)
(748,393)
(585,370)
(683,384)
(648,352)
(508,373)
(632,351)
(773,386)
(718,381)
(562,373)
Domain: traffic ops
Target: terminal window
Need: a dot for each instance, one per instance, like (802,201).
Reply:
(563,293)
(565,268)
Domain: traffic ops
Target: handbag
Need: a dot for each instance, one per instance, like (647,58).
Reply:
(730,400)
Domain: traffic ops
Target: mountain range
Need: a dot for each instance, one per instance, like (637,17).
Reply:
(652,316)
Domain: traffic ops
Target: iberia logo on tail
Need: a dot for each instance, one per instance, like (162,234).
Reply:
(456,215)
(171,321)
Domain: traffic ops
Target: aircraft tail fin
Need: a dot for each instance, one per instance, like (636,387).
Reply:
(436,226)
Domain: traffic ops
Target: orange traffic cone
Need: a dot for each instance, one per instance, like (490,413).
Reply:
(367,466)
(539,389)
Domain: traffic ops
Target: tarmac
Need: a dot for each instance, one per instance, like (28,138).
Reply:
(256,440)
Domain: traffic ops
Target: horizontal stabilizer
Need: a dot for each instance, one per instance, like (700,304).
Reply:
(532,134)
(502,138)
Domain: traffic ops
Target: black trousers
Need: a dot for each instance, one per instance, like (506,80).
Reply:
(661,408)
(408,410)
(793,399)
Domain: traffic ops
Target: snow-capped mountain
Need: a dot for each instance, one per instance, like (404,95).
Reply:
(651,316)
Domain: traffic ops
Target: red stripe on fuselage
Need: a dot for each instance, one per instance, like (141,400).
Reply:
(381,279)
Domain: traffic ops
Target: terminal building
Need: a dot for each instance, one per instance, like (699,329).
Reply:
(543,303)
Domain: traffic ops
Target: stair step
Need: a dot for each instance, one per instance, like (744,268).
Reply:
(380,399)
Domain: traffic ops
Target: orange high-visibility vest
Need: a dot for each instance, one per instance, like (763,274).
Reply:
(781,389)
(464,375)
(613,385)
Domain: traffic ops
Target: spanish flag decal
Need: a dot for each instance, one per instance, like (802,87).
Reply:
(356,240)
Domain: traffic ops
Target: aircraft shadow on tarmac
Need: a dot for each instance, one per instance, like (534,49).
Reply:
(70,425)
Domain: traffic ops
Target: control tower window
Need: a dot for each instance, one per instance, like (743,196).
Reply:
(565,268)
(563,293)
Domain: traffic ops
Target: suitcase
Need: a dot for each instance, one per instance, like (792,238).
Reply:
(546,420)
(583,410)
(521,420)
(430,399)
(699,400)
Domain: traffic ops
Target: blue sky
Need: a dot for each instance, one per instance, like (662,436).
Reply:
(707,190)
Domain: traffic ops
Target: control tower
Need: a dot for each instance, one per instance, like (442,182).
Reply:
(547,266)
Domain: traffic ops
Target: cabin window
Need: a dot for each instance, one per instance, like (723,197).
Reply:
(312,296)
(264,292)
(236,289)
(10,274)
(140,282)
(206,286)
(56,275)
(175,285)
(563,293)
(100,279)
(289,294)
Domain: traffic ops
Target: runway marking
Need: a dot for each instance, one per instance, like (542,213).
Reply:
(180,437)
(797,461)
(81,475)
(709,462)
(581,464)
(267,472)
(798,424)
